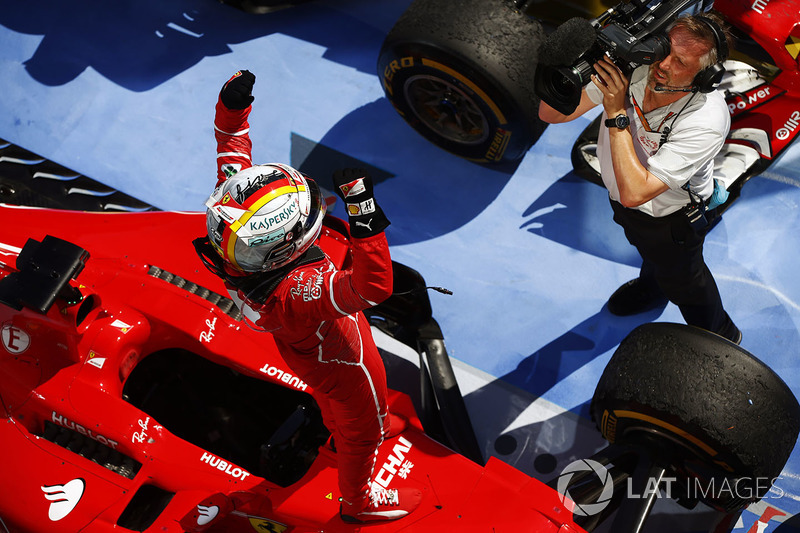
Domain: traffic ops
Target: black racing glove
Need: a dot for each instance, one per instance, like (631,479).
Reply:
(236,93)
(354,187)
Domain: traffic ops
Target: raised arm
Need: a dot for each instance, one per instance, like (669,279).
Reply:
(371,274)
(231,129)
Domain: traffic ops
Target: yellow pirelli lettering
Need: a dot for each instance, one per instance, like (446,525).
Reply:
(677,431)
(673,429)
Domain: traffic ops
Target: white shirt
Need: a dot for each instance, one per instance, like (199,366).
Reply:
(697,134)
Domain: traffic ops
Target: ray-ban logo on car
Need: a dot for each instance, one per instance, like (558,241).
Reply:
(64,498)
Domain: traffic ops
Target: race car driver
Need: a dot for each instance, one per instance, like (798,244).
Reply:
(263,222)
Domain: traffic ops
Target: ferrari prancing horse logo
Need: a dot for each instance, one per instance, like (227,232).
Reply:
(263,525)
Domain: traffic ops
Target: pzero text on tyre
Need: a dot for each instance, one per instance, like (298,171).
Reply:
(461,74)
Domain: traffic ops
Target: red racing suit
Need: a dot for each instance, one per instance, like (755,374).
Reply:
(315,316)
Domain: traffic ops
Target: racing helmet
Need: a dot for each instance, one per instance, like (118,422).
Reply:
(264,217)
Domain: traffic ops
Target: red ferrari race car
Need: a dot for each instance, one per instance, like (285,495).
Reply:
(466,75)
(133,398)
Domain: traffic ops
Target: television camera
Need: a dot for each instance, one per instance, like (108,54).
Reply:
(631,33)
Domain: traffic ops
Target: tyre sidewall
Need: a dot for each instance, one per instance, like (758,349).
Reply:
(508,136)
(703,392)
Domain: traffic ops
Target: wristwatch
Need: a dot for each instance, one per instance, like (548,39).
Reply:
(621,121)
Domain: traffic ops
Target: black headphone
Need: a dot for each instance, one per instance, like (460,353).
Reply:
(710,77)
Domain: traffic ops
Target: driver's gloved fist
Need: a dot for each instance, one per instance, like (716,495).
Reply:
(236,93)
(354,187)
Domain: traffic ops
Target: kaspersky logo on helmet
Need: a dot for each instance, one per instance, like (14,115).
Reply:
(262,223)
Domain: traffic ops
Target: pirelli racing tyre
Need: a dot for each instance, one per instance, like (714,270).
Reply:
(729,421)
(460,72)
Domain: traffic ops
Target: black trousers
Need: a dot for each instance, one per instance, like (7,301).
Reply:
(672,262)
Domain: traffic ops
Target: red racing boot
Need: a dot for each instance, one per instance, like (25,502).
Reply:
(382,504)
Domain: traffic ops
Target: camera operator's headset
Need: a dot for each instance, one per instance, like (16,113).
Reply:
(710,77)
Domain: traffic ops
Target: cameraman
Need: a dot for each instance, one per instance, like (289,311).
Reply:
(656,156)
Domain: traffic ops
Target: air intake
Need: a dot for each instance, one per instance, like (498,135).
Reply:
(90,448)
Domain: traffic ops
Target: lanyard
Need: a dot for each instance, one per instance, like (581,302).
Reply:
(666,129)
(644,121)
(694,199)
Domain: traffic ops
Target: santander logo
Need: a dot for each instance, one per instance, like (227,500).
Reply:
(64,498)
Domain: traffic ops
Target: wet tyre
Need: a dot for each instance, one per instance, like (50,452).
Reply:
(461,73)
(728,419)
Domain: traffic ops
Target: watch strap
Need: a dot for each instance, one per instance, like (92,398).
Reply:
(620,121)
